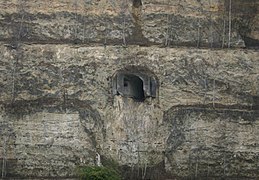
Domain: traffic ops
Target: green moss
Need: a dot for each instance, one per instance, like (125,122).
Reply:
(98,173)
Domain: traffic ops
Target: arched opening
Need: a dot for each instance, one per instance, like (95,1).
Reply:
(133,87)
(137,3)
(135,83)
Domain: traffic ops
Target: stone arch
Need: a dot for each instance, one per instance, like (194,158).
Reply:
(136,3)
(135,82)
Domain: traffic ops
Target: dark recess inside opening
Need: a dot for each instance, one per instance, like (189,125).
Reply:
(136,85)
(133,86)
(256,102)
(137,3)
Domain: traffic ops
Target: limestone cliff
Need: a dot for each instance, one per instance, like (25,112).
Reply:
(66,65)
(197,23)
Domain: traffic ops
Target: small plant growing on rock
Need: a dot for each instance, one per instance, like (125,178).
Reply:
(98,173)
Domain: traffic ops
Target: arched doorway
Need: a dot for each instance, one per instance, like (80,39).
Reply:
(133,87)
(136,85)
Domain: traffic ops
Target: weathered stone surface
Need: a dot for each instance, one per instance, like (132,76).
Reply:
(58,60)
(49,140)
(189,76)
(168,23)
(205,113)
(205,141)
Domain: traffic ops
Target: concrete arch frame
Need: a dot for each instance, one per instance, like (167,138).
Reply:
(135,82)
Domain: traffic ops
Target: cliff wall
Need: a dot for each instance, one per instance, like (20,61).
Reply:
(197,23)
(59,61)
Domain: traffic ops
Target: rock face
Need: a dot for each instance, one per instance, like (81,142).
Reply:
(197,23)
(59,104)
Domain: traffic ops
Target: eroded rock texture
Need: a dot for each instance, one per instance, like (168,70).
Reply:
(213,23)
(58,109)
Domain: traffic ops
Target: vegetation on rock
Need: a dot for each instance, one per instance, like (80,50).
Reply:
(98,173)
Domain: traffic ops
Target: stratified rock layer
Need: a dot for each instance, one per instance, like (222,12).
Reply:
(58,104)
(194,23)
(58,111)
